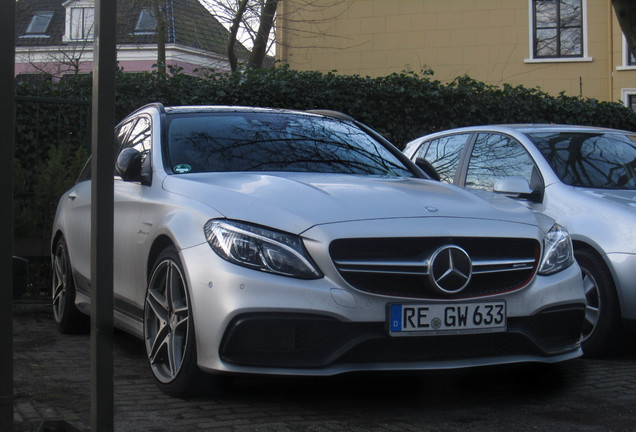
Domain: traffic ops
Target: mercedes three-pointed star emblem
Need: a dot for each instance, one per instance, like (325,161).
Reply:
(450,269)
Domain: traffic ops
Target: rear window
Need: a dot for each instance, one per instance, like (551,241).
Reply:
(594,160)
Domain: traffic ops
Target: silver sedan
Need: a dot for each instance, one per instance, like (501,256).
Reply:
(280,242)
(584,178)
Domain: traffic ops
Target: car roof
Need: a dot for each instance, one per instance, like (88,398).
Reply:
(522,128)
(538,127)
(191,109)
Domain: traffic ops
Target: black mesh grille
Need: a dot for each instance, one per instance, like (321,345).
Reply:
(403,270)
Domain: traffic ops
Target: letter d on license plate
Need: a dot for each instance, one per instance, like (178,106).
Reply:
(456,318)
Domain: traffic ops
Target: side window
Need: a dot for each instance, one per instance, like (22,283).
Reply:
(121,133)
(86,172)
(141,136)
(443,153)
(136,134)
(496,156)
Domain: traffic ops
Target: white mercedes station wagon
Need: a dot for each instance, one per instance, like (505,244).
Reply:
(266,241)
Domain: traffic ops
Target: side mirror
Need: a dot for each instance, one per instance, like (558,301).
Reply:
(517,186)
(128,164)
(428,168)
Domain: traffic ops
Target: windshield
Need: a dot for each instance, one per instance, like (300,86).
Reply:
(593,160)
(275,141)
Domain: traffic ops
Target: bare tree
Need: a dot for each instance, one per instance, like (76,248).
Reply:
(128,11)
(626,14)
(236,24)
(60,61)
(250,23)
(268,12)
(254,23)
(160,16)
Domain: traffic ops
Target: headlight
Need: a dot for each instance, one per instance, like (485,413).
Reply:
(557,251)
(260,249)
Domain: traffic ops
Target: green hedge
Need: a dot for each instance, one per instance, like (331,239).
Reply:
(400,106)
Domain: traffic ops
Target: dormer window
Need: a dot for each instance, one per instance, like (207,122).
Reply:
(39,24)
(146,22)
(80,20)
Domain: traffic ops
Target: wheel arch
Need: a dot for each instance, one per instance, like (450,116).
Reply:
(158,245)
(58,234)
(580,245)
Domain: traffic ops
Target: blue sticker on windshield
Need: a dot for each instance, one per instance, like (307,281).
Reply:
(182,168)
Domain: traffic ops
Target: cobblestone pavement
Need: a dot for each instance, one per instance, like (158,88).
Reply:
(52,382)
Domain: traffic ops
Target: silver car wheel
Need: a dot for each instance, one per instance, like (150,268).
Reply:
(60,282)
(166,320)
(593,304)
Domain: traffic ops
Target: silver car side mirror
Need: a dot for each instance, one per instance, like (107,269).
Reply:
(513,185)
(519,187)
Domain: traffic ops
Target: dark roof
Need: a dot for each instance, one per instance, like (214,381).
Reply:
(188,23)
(24,13)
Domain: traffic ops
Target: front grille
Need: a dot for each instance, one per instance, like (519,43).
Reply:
(399,267)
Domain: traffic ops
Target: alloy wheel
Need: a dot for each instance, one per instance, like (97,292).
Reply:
(166,320)
(60,282)
(593,304)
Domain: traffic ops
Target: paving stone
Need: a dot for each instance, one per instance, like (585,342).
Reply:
(52,381)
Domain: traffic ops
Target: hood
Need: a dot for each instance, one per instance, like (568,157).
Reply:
(295,202)
(623,198)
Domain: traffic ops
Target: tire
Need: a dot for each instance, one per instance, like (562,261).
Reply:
(602,329)
(169,333)
(67,317)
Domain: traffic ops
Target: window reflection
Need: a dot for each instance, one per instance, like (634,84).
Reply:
(226,142)
(496,156)
(631,59)
(558,28)
(605,161)
(443,153)
(140,136)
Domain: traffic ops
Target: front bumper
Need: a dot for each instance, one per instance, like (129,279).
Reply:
(253,322)
(313,341)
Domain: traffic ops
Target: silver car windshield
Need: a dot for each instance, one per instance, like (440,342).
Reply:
(249,141)
(593,160)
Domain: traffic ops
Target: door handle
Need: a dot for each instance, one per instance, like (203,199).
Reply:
(72,195)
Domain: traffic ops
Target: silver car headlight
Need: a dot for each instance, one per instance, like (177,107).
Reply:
(260,249)
(558,253)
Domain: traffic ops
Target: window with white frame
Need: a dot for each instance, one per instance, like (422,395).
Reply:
(557,29)
(39,23)
(629,98)
(631,101)
(631,59)
(82,22)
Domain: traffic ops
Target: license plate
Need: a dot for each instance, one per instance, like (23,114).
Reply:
(460,318)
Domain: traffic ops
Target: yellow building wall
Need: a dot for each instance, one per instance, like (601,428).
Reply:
(489,40)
